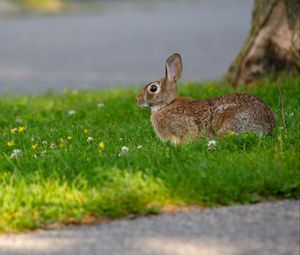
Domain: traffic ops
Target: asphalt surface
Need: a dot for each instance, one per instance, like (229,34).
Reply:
(270,228)
(124,44)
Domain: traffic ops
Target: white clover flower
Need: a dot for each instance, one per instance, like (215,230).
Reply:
(211,144)
(139,147)
(16,153)
(53,146)
(124,149)
(100,105)
(89,139)
(71,112)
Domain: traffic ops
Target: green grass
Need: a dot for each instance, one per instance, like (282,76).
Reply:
(78,180)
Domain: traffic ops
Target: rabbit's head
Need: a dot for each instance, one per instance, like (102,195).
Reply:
(158,94)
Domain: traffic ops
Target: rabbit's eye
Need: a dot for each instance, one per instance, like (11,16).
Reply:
(153,88)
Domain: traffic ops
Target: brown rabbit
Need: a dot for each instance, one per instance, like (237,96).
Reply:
(181,119)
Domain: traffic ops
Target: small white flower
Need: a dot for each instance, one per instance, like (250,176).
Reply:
(16,153)
(72,112)
(100,105)
(44,142)
(211,144)
(124,149)
(53,146)
(89,139)
(140,147)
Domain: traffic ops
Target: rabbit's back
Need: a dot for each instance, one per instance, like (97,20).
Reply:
(238,113)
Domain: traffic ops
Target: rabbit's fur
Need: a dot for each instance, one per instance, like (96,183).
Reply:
(180,119)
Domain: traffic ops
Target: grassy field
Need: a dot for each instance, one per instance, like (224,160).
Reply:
(80,156)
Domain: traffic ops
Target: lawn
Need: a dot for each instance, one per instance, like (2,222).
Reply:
(83,156)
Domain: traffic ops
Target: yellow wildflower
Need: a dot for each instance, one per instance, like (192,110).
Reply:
(62,143)
(101,146)
(70,137)
(10,143)
(22,129)
(34,146)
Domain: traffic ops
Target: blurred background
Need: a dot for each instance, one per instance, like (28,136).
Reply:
(55,44)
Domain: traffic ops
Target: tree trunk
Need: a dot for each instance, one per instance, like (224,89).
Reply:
(273,44)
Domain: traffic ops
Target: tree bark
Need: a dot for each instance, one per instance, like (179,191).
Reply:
(273,44)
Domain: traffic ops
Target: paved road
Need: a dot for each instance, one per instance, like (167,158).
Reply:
(263,229)
(125,44)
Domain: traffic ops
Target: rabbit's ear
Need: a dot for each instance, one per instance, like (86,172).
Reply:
(173,67)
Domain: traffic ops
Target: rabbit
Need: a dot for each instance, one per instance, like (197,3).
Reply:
(181,119)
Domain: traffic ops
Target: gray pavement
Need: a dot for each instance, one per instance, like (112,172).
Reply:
(126,43)
(270,228)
